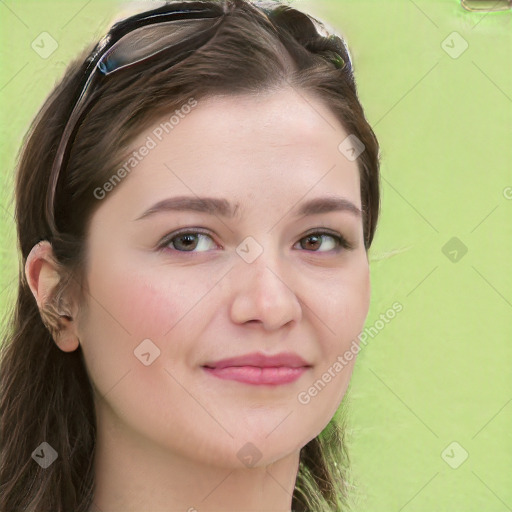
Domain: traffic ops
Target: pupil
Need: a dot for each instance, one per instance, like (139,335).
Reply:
(189,240)
(314,238)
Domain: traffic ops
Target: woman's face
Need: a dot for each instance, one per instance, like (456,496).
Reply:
(163,305)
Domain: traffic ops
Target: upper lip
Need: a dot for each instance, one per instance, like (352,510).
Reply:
(288,359)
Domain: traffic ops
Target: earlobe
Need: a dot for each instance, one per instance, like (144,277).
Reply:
(43,278)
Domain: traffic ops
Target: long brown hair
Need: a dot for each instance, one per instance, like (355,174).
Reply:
(46,394)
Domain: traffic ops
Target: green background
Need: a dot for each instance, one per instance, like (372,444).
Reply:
(440,371)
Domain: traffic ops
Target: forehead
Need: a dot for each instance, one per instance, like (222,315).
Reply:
(265,148)
(282,118)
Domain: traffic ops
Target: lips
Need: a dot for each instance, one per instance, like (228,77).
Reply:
(257,359)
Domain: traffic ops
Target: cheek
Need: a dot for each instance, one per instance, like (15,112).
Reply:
(121,313)
(166,308)
(345,306)
(340,310)
(147,308)
(137,303)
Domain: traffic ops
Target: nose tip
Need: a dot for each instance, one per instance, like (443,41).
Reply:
(263,298)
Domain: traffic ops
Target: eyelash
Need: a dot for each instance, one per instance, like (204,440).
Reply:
(341,241)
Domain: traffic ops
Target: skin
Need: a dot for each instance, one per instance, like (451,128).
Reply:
(168,433)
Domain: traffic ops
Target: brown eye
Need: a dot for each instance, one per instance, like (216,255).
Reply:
(314,241)
(186,241)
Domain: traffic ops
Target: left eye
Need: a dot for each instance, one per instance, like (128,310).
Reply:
(190,240)
(337,241)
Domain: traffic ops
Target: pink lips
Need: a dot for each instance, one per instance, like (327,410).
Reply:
(257,368)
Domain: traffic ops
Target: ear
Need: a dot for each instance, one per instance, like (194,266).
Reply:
(46,281)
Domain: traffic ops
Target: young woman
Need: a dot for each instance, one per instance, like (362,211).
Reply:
(195,203)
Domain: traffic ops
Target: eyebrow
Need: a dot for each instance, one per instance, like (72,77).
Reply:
(224,208)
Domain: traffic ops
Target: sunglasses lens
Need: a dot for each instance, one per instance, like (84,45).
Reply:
(149,40)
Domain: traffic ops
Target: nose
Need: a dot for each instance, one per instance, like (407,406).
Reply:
(264,294)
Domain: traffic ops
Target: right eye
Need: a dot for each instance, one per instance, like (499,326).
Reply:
(186,241)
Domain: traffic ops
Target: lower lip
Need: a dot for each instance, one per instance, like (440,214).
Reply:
(254,375)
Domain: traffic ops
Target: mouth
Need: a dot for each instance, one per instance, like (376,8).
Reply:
(256,375)
(259,368)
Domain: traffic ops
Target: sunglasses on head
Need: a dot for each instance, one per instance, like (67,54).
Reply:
(179,28)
